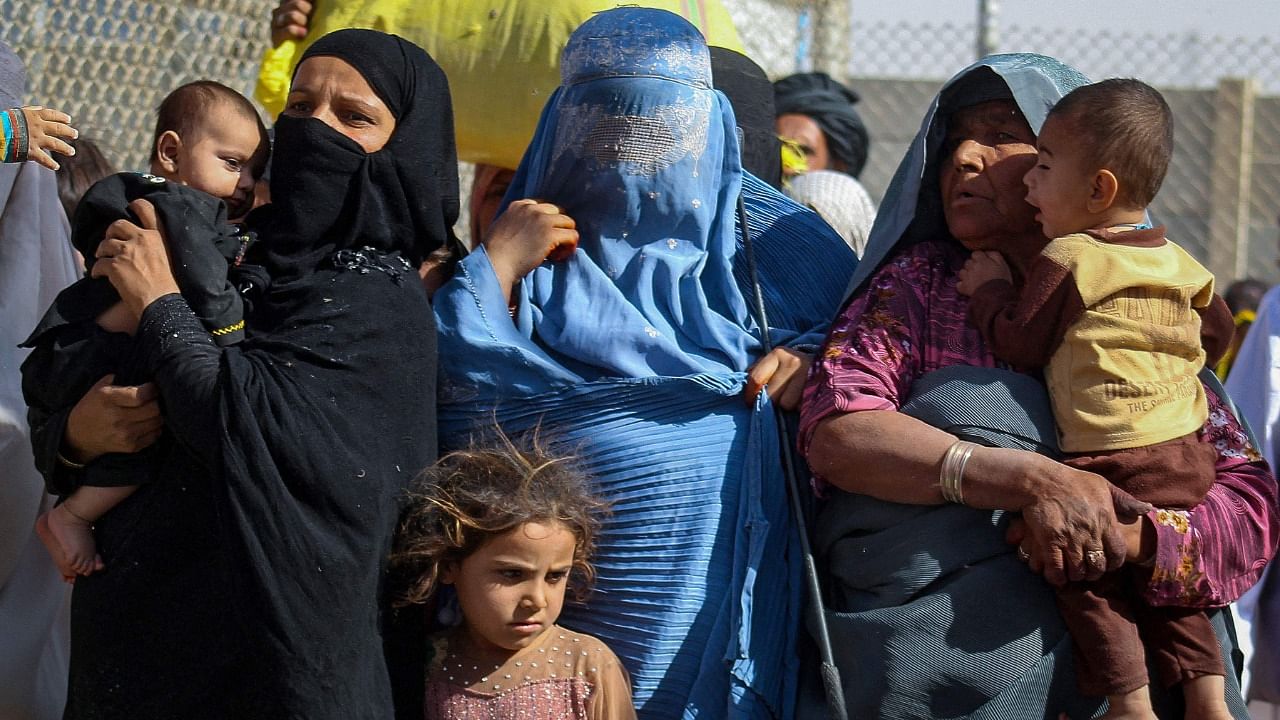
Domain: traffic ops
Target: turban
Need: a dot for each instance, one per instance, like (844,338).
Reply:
(830,104)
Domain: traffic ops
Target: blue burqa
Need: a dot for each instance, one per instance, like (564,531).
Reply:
(931,614)
(634,351)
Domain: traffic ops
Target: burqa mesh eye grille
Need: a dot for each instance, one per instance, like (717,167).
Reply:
(646,143)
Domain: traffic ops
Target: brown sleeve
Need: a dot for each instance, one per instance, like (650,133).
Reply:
(611,696)
(1216,329)
(1025,330)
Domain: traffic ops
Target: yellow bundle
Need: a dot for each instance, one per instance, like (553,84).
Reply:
(502,56)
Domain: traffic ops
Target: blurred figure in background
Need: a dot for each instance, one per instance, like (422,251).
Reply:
(817,113)
(751,95)
(1254,388)
(35,263)
(1243,297)
(76,173)
(840,200)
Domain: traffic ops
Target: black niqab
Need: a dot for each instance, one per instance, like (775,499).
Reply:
(830,104)
(401,198)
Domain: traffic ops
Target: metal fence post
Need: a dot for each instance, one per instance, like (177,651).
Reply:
(1230,179)
(987,41)
(831,29)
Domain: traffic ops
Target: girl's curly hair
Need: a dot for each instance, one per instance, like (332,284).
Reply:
(470,496)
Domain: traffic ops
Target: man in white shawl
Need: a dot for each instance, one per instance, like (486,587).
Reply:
(36,261)
(1254,385)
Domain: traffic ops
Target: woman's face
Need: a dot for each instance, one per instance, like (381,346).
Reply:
(805,132)
(332,91)
(989,147)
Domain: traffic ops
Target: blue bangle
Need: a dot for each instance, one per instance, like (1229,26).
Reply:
(8,136)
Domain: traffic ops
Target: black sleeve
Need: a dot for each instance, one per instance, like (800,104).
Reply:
(184,361)
(47,429)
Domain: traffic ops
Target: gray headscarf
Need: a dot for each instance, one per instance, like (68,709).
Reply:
(13,78)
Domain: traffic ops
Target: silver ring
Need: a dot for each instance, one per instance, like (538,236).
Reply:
(1096,557)
(1023,555)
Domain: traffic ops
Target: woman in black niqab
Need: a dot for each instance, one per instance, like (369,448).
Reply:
(294,446)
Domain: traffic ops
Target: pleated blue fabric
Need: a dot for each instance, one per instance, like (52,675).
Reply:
(634,352)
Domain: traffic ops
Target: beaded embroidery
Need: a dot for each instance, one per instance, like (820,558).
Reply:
(367,259)
(553,680)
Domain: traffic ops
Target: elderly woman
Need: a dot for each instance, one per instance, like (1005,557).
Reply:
(635,348)
(245,581)
(936,615)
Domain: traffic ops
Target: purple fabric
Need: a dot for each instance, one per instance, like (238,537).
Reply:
(910,320)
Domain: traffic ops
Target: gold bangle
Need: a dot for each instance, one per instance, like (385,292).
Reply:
(69,463)
(951,477)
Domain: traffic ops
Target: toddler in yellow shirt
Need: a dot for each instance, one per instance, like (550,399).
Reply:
(1120,319)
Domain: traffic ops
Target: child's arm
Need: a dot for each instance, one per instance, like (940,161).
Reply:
(117,318)
(1216,329)
(1025,330)
(32,133)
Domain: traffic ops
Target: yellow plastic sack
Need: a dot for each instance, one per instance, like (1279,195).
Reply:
(502,56)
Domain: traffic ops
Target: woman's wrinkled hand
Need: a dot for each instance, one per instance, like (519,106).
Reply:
(783,372)
(291,20)
(1072,531)
(112,419)
(135,259)
(982,267)
(527,233)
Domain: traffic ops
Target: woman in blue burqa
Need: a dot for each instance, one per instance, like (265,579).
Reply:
(635,350)
(938,607)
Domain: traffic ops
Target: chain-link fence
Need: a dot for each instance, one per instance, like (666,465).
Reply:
(108,63)
(1221,198)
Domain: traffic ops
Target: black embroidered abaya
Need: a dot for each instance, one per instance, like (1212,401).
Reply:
(244,582)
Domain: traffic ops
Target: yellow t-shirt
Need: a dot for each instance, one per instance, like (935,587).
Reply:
(1125,373)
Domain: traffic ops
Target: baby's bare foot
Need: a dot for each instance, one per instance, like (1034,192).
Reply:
(1205,698)
(54,547)
(1133,705)
(74,536)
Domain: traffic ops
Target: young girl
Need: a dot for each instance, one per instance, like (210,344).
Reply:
(507,527)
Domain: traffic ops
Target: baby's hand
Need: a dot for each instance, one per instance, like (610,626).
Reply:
(982,267)
(45,128)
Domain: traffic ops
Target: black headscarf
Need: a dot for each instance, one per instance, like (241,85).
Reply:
(830,104)
(328,194)
(751,95)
